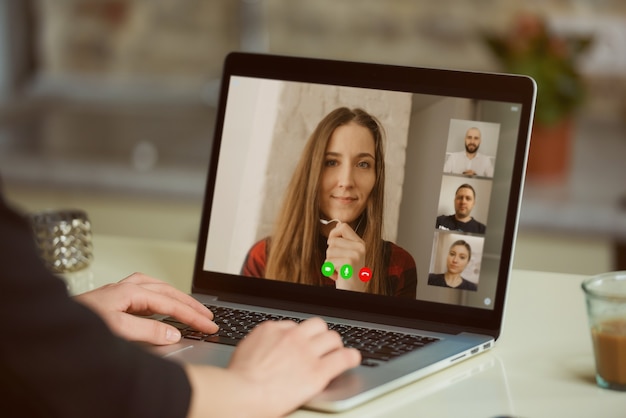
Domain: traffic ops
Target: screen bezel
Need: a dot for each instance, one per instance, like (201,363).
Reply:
(454,83)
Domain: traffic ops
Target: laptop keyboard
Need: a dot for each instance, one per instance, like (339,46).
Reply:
(375,345)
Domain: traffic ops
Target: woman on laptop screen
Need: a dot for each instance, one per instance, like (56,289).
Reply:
(329,230)
(457,259)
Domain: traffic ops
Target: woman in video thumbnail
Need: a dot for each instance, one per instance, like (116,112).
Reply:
(457,259)
(333,212)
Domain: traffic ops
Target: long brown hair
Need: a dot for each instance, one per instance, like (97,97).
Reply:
(293,254)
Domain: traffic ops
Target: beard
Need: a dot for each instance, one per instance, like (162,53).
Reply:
(471,149)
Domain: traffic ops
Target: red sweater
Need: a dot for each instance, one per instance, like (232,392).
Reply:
(401,270)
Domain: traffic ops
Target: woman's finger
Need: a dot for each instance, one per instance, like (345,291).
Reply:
(167,290)
(135,328)
(147,301)
(162,287)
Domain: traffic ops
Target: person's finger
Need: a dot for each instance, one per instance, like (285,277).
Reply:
(134,328)
(345,247)
(322,339)
(162,287)
(274,326)
(326,342)
(342,253)
(338,361)
(264,336)
(148,301)
(343,230)
(140,278)
(312,326)
(167,290)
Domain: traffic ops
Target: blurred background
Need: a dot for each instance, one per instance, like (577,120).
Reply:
(108,105)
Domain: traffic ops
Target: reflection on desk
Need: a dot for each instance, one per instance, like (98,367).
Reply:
(541,366)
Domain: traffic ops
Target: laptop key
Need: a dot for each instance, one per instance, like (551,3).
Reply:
(179,325)
(194,335)
(221,340)
(365,355)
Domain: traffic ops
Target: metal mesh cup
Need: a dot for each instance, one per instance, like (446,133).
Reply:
(64,239)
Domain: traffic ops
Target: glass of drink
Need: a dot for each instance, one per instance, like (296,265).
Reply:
(606,309)
(64,239)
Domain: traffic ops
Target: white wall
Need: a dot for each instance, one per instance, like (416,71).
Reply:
(248,126)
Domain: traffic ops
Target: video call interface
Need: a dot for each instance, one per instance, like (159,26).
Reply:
(448,165)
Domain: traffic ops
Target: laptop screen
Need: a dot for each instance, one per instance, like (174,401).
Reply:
(406,195)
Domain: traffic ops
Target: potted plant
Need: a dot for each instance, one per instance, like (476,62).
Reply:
(530,48)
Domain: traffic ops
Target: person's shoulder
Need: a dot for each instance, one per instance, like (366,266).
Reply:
(399,255)
(260,246)
(479,226)
(467,285)
(445,221)
(395,248)
(436,279)
(263,241)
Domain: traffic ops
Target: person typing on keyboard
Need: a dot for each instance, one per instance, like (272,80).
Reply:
(70,357)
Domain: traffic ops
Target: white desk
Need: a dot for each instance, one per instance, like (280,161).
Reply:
(542,365)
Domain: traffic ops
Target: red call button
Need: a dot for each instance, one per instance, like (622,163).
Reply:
(365,274)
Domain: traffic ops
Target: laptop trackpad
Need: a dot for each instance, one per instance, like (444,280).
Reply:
(197,353)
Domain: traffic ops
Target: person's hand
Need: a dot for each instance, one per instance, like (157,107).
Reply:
(469,173)
(278,367)
(290,363)
(346,247)
(119,303)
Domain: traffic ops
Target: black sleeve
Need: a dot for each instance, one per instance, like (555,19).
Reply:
(59,359)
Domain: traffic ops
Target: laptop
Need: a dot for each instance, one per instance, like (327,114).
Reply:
(436,283)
